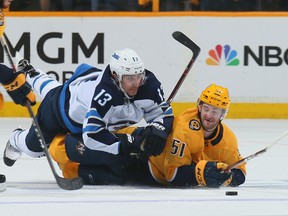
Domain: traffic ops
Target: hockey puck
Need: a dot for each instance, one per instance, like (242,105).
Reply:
(231,193)
(2,178)
(3,186)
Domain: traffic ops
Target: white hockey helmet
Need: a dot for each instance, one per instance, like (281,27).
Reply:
(126,62)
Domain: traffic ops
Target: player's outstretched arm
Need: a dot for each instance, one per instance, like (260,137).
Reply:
(16,86)
(211,174)
(204,173)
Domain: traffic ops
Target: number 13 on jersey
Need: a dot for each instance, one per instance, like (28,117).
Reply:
(102,97)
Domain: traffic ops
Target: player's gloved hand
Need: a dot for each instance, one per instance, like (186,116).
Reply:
(154,139)
(238,178)
(211,174)
(24,66)
(129,143)
(20,91)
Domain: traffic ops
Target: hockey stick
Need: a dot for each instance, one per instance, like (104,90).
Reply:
(64,183)
(183,39)
(244,160)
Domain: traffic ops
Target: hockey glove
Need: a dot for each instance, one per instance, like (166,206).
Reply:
(24,66)
(129,143)
(20,91)
(211,174)
(238,178)
(154,139)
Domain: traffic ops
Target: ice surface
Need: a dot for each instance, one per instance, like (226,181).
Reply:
(32,189)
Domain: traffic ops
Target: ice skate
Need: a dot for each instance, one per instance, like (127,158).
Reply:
(11,154)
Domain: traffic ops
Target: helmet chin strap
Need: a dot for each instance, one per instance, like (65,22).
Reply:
(119,85)
(126,95)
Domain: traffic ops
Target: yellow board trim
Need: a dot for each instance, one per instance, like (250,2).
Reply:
(236,111)
(10,109)
(245,110)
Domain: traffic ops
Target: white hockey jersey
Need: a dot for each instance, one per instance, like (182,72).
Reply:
(92,104)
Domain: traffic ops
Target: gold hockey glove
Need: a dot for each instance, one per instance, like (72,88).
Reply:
(20,91)
(211,174)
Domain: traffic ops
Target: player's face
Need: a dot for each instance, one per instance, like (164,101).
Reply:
(131,83)
(210,116)
(6,3)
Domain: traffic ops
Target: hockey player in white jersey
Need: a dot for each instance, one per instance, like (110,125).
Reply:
(89,107)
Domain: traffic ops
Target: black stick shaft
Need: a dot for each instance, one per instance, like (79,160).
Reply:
(183,39)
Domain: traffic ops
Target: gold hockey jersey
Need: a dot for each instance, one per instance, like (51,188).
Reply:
(186,145)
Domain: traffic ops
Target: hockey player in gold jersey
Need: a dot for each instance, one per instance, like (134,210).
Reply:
(200,146)
(198,149)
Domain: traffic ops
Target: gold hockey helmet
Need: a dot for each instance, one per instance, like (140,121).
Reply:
(215,95)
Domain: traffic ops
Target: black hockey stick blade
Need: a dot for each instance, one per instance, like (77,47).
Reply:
(64,183)
(69,184)
(183,39)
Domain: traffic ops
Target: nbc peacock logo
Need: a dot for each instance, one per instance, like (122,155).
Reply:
(222,56)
